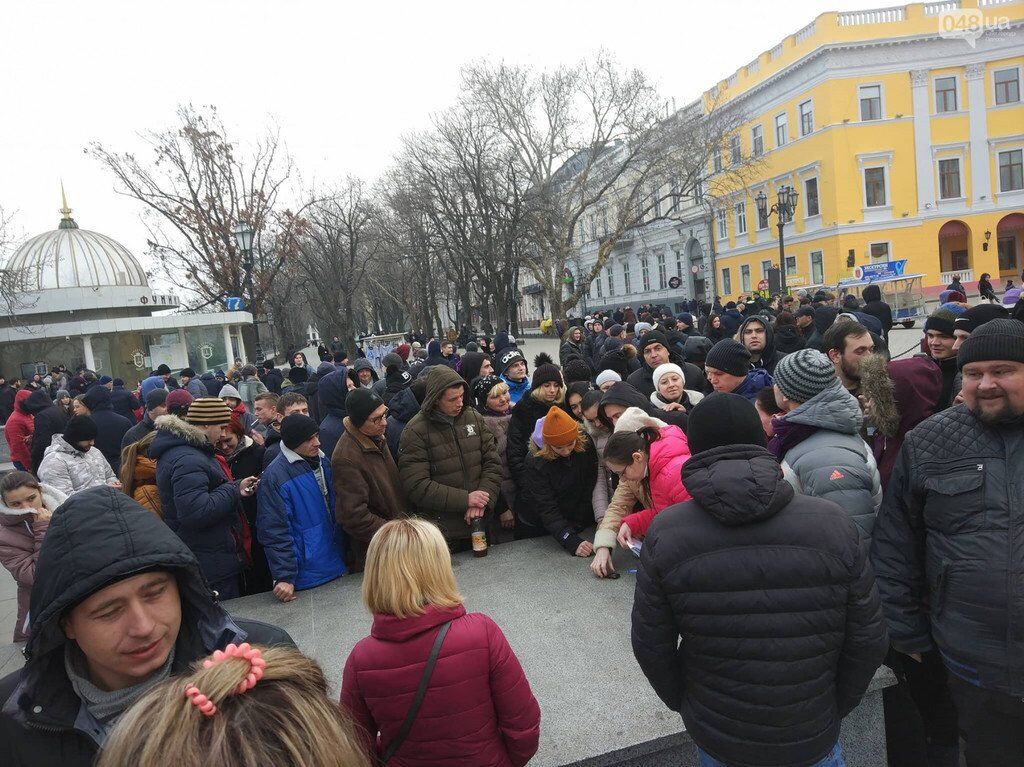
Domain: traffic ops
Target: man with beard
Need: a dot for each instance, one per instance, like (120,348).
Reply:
(756,334)
(846,344)
(947,553)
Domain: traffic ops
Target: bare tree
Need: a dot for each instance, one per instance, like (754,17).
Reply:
(195,187)
(17,284)
(595,142)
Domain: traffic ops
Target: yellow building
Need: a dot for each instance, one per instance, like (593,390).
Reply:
(904,141)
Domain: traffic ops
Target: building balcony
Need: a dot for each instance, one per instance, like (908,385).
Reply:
(965,275)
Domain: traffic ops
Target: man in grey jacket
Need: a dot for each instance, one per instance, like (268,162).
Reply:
(948,548)
(818,440)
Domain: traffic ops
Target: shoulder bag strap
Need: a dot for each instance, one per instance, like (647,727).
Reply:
(421,692)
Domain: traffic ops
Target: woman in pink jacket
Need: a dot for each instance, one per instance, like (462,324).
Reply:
(24,518)
(478,710)
(653,456)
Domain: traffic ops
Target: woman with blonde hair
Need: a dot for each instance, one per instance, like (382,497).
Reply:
(433,684)
(546,390)
(558,488)
(241,707)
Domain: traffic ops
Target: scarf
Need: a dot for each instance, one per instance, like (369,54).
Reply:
(787,436)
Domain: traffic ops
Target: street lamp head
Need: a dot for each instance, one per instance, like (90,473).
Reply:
(243,236)
(761,200)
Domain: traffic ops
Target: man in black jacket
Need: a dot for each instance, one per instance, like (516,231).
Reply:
(118,605)
(877,308)
(947,544)
(156,406)
(110,426)
(122,401)
(771,594)
(48,419)
(655,350)
(757,336)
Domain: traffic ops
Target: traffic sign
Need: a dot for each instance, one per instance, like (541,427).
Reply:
(762,285)
(233,304)
(674,283)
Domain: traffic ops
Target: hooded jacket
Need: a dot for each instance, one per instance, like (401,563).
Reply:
(833,462)
(69,470)
(20,426)
(199,503)
(98,537)
(138,431)
(249,388)
(364,364)
(769,356)
(557,495)
(367,488)
(332,392)
(295,521)
(756,615)
(520,427)
(756,380)
(877,308)
(478,709)
(110,427)
(788,339)
(434,356)
(20,539)
(626,395)
(124,403)
(442,459)
(824,317)
(731,321)
(668,455)
(401,409)
(47,423)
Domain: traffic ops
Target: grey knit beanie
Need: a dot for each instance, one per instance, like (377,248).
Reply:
(994,340)
(804,374)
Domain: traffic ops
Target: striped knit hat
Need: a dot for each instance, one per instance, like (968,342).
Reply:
(805,374)
(208,411)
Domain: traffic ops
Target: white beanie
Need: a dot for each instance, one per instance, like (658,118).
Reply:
(634,419)
(668,367)
(607,375)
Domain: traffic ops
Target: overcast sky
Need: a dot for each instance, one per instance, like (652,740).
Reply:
(343,80)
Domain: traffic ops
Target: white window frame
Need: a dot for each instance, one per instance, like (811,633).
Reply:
(726,281)
(662,272)
(610,274)
(741,217)
(957,106)
(817,191)
(716,160)
(810,267)
(744,278)
(785,129)
(999,176)
(881,102)
(679,263)
(959,177)
(722,219)
(885,185)
(766,264)
(645,274)
(600,292)
(888,251)
(1016,70)
(754,151)
(876,213)
(800,116)
(735,149)
(791,266)
(627,278)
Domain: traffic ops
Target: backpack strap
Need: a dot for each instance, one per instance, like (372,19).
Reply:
(421,693)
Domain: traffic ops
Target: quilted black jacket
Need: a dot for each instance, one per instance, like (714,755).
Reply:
(776,606)
(949,547)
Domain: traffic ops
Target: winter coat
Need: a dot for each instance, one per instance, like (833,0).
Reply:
(666,459)
(199,502)
(520,426)
(917,384)
(833,462)
(570,350)
(877,308)
(516,389)
(731,321)
(43,723)
(272,379)
(7,395)
(331,392)
(20,539)
(557,495)
(19,426)
(622,393)
(151,383)
(769,356)
(604,487)
(124,402)
(756,380)
(948,369)
(498,424)
(690,399)
(775,603)
(295,522)
(110,427)
(198,389)
(401,409)
(478,710)
(948,548)
(789,339)
(138,431)
(69,470)
(367,487)
(48,423)
(145,492)
(643,379)
(824,317)
(212,383)
(442,459)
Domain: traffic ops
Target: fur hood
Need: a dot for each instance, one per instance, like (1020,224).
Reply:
(182,429)
(52,497)
(877,386)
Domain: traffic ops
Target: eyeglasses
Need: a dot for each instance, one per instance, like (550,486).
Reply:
(381,418)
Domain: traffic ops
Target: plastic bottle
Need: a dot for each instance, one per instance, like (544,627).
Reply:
(479,537)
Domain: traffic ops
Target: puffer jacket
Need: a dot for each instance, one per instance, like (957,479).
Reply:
(20,539)
(110,427)
(478,710)
(48,422)
(558,495)
(498,424)
(756,615)
(756,380)
(331,393)
(199,502)
(402,408)
(442,459)
(949,547)
(145,492)
(20,426)
(124,403)
(668,454)
(520,426)
(833,462)
(69,470)
(99,537)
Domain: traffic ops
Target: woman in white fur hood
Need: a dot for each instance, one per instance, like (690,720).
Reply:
(670,392)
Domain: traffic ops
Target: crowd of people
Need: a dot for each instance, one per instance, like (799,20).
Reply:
(803,507)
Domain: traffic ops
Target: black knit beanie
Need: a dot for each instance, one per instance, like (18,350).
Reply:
(82,427)
(298,375)
(482,386)
(397,377)
(723,419)
(296,429)
(576,369)
(544,374)
(729,356)
(995,340)
(977,316)
(360,403)
(941,321)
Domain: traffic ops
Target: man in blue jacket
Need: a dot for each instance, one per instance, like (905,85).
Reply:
(728,369)
(295,521)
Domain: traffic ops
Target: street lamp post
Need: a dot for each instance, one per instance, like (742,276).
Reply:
(784,208)
(243,238)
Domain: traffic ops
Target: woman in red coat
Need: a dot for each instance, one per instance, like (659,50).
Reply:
(478,710)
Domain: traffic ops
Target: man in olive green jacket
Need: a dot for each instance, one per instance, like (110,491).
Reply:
(447,458)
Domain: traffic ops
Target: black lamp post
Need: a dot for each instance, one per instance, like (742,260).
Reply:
(784,208)
(243,238)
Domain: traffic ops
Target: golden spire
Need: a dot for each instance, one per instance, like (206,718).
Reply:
(66,221)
